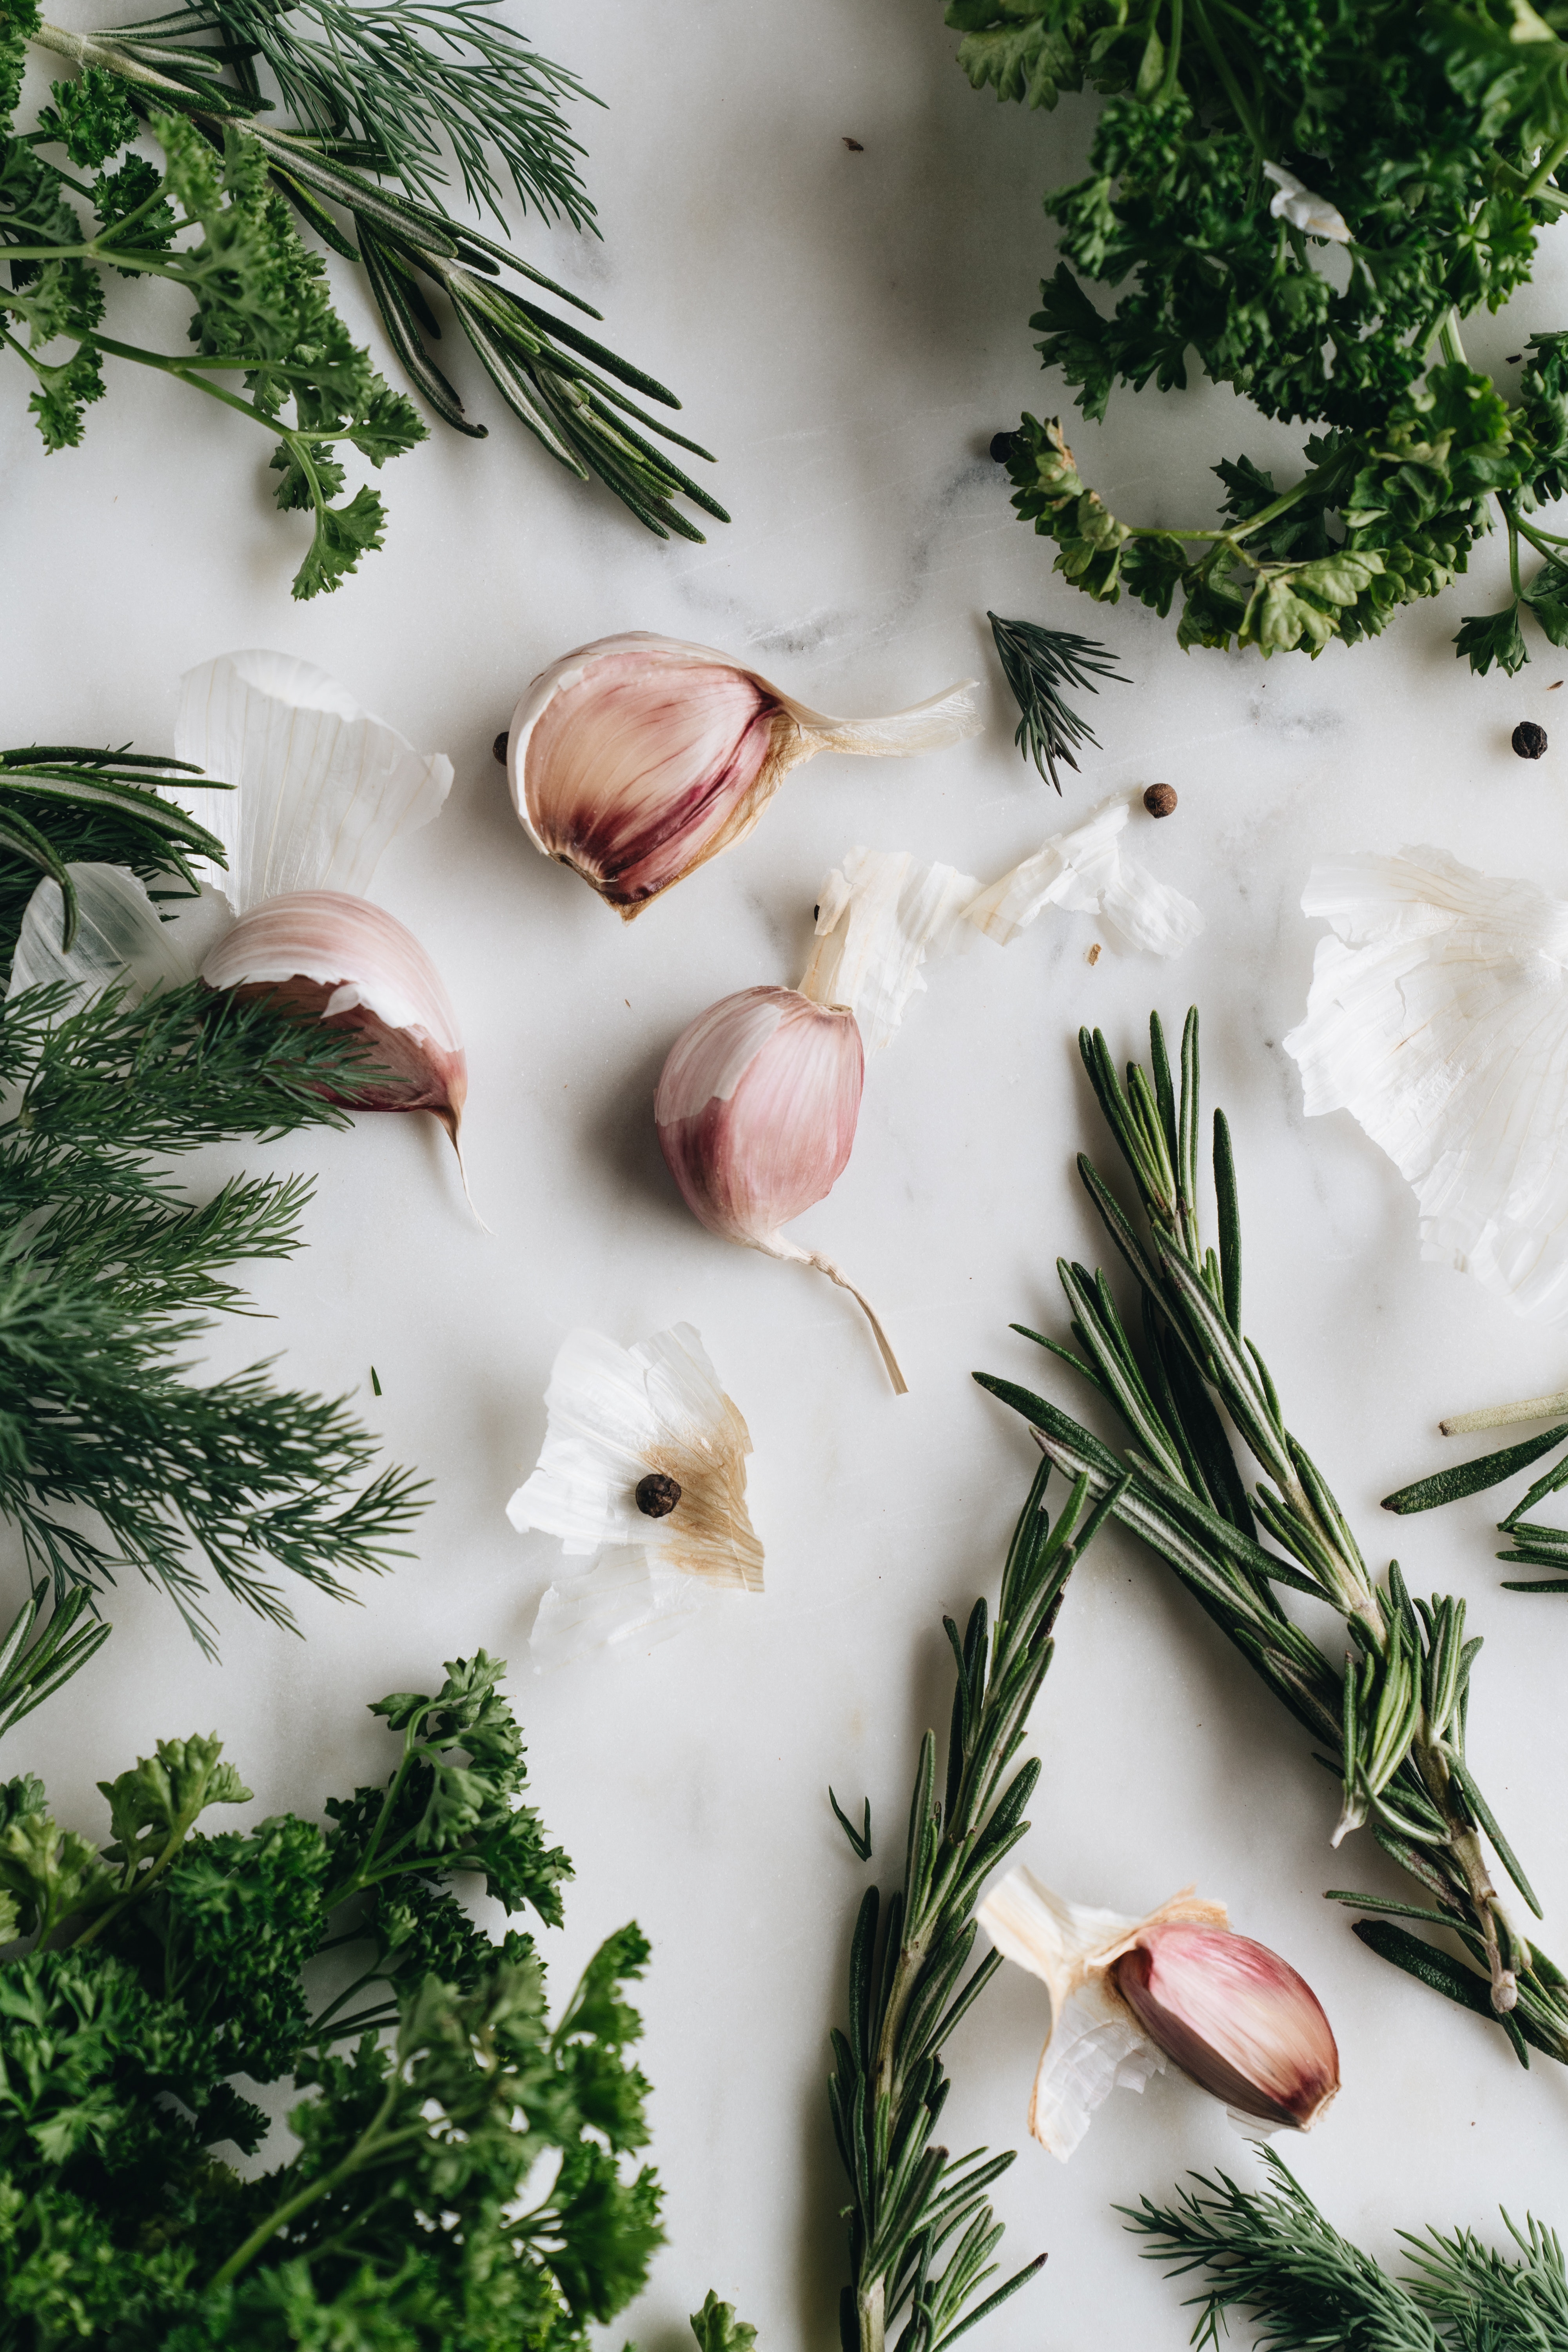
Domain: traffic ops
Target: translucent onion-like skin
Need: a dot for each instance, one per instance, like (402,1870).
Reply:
(756,1109)
(323,954)
(1237,2018)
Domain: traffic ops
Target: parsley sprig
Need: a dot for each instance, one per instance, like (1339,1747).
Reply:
(1439,134)
(1394,1723)
(463,2179)
(378,96)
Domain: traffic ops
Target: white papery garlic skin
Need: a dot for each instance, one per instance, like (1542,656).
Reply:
(320,786)
(637,759)
(1438,1017)
(756,1110)
(354,966)
(1294,202)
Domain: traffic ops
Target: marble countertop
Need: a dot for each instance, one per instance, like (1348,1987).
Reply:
(847,328)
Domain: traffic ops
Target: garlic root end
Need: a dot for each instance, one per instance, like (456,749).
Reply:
(825,1265)
(451,1120)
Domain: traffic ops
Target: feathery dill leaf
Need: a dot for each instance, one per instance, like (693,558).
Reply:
(1037,663)
(1272,2256)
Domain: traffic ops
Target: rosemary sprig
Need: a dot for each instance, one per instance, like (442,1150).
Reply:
(1395,1721)
(1275,2257)
(922,2228)
(142,830)
(1533,1543)
(1037,663)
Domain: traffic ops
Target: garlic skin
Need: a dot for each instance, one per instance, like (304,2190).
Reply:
(756,1109)
(614,1416)
(637,758)
(1296,203)
(880,914)
(1438,1018)
(121,940)
(352,965)
(320,785)
(1237,2018)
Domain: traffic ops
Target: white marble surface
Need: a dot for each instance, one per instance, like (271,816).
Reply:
(847,330)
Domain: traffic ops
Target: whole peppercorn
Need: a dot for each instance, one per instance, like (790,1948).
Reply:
(1001,447)
(656,1495)
(499,746)
(1160,800)
(1529,739)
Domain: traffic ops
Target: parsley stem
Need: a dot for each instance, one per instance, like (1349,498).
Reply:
(1167,89)
(1232,87)
(1549,161)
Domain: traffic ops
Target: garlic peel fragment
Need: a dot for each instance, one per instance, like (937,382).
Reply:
(614,1415)
(122,939)
(1296,203)
(1438,1017)
(637,759)
(321,786)
(880,914)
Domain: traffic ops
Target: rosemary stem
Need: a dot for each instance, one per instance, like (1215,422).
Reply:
(1504,1416)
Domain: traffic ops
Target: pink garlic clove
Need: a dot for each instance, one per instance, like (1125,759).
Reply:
(339,959)
(637,759)
(756,1110)
(1235,2017)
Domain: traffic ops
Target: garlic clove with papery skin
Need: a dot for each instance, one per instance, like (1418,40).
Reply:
(756,1109)
(1236,2017)
(323,954)
(637,759)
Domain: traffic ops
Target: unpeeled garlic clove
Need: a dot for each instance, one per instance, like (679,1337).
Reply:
(1234,2016)
(756,1110)
(637,759)
(326,955)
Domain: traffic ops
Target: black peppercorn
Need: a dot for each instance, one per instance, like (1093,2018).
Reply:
(1160,800)
(1529,739)
(656,1495)
(1001,447)
(499,746)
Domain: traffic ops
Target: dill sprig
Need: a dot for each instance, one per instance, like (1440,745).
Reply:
(407,81)
(112,1456)
(1037,663)
(921,2227)
(1304,2286)
(1394,1722)
(376,96)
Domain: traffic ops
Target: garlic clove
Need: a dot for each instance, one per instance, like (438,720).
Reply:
(1236,2017)
(327,956)
(320,787)
(616,1417)
(756,1109)
(1096,2043)
(637,759)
